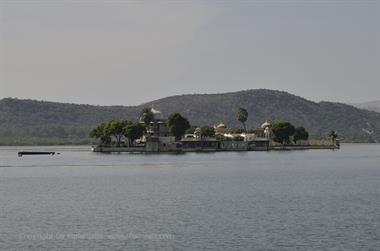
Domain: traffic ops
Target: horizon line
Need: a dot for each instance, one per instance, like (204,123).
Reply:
(186,94)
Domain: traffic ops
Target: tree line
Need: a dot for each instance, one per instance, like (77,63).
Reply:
(283,131)
(116,130)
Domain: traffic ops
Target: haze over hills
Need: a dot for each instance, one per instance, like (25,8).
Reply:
(40,122)
(371,105)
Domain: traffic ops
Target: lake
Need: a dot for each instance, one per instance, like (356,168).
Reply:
(279,200)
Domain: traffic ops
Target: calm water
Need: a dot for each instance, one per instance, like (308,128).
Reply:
(297,200)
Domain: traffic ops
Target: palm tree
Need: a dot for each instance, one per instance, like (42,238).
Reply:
(333,135)
(242,117)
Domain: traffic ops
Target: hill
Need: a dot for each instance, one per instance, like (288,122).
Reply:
(40,122)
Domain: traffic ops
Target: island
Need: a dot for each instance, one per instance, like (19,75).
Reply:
(154,133)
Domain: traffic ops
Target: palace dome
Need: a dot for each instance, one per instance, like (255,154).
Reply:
(221,125)
(154,111)
(265,125)
(157,114)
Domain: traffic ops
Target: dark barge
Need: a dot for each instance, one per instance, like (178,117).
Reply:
(20,154)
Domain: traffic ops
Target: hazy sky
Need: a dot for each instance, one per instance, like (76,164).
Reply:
(129,52)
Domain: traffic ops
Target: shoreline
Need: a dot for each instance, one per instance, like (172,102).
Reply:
(98,149)
(91,145)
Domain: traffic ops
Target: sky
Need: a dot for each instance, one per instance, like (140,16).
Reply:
(126,52)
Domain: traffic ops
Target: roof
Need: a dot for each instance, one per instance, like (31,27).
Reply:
(265,125)
(198,140)
(260,139)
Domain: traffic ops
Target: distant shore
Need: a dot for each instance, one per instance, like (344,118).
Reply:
(272,148)
(90,145)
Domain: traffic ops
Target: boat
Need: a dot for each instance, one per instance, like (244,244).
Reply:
(20,154)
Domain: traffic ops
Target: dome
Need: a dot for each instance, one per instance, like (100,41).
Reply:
(198,132)
(265,125)
(157,114)
(221,125)
(154,111)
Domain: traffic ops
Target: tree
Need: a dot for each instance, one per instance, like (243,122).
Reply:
(208,131)
(236,130)
(99,132)
(333,135)
(116,129)
(238,138)
(221,137)
(191,130)
(243,116)
(147,116)
(300,133)
(282,131)
(177,125)
(134,131)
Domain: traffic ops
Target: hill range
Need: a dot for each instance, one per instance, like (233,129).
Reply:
(41,122)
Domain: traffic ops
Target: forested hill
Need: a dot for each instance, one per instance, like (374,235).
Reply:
(40,122)
(37,122)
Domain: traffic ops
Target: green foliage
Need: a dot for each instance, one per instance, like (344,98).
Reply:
(115,128)
(282,131)
(208,131)
(236,130)
(222,137)
(177,125)
(191,130)
(134,131)
(300,133)
(99,132)
(243,116)
(333,135)
(147,116)
(238,138)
